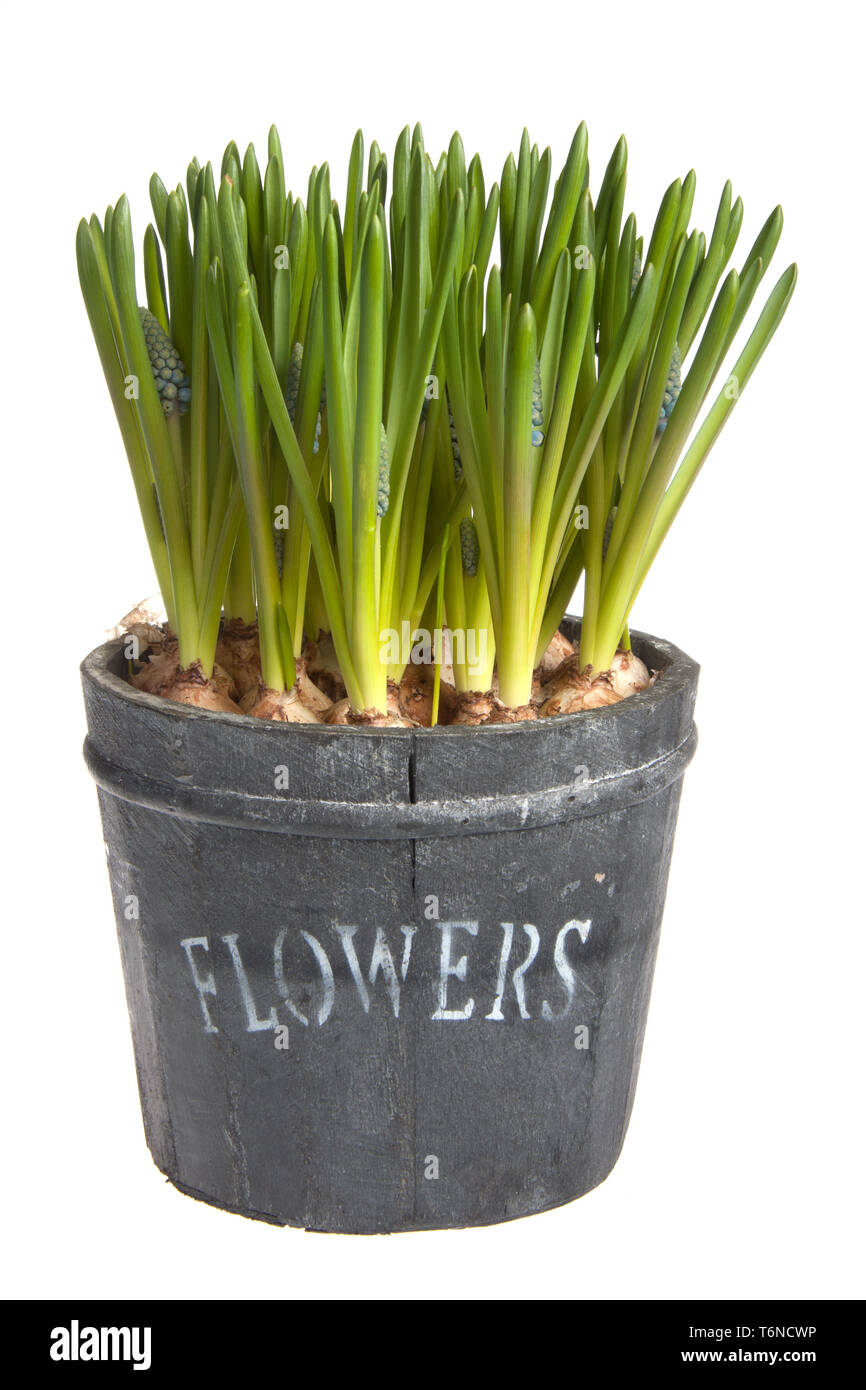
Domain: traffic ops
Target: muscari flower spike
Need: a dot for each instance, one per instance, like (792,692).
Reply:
(537,406)
(293,383)
(384,491)
(294,380)
(169,373)
(674,383)
(673,386)
(469,549)
(322,404)
(608,529)
(455,448)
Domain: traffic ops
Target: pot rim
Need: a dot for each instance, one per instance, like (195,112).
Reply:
(676,670)
(397,784)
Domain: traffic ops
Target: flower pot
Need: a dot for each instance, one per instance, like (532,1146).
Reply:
(384,979)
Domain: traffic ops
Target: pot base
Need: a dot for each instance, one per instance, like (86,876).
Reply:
(390,1230)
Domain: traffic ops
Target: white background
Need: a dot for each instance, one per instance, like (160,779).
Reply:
(743,1168)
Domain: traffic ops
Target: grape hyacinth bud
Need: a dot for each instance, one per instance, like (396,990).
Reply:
(673,386)
(469,549)
(384,491)
(294,380)
(636,271)
(169,373)
(319,422)
(608,528)
(537,406)
(293,386)
(455,448)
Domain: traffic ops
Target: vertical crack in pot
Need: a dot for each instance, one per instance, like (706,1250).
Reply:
(168,1126)
(148,1056)
(411,769)
(233,1131)
(411,1014)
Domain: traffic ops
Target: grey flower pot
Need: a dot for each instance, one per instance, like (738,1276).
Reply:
(388,980)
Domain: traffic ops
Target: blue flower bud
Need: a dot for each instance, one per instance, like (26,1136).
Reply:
(294,380)
(383,495)
(673,386)
(469,548)
(455,448)
(537,406)
(608,529)
(169,373)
